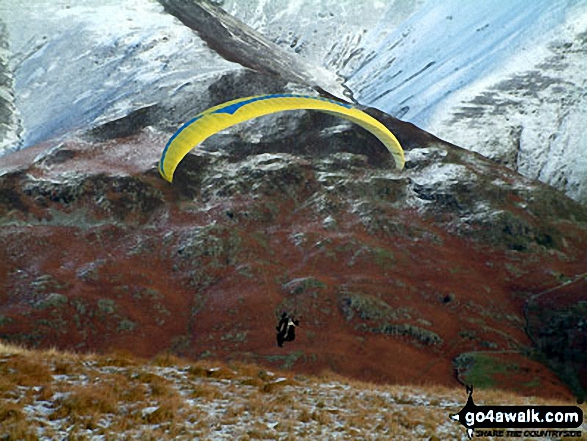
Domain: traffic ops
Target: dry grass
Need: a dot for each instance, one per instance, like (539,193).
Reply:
(90,400)
(118,358)
(166,412)
(209,369)
(205,392)
(11,412)
(167,359)
(13,423)
(158,386)
(26,370)
(53,395)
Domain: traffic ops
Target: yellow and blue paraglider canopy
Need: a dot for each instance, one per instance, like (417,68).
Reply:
(233,112)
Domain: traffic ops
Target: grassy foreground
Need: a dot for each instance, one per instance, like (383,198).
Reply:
(60,395)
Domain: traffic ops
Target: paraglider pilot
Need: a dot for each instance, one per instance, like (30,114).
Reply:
(286,329)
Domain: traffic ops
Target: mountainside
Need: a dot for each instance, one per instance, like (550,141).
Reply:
(424,272)
(457,269)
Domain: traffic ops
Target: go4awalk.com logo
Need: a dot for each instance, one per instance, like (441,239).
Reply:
(519,421)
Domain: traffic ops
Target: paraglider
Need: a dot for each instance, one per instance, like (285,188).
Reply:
(286,329)
(233,112)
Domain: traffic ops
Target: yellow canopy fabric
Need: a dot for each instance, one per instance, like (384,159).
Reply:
(233,112)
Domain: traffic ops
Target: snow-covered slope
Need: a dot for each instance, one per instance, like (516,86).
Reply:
(504,78)
(9,124)
(79,66)
(531,115)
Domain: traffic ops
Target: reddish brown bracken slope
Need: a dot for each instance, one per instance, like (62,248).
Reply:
(413,277)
